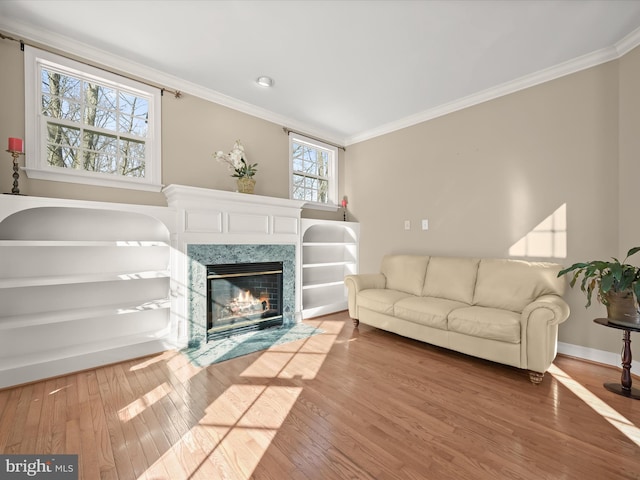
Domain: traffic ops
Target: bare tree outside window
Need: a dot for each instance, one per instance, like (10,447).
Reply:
(89,126)
(93,127)
(310,173)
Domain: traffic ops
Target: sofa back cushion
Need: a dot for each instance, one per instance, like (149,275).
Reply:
(452,278)
(513,284)
(405,273)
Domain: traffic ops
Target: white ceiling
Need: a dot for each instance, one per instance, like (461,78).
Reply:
(343,70)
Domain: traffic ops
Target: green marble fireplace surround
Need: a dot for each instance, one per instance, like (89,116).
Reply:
(201,255)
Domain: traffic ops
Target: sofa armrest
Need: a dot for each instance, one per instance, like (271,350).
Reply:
(539,331)
(557,307)
(363,281)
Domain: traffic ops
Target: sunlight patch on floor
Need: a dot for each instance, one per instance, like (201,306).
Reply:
(163,357)
(626,427)
(238,427)
(139,404)
(299,359)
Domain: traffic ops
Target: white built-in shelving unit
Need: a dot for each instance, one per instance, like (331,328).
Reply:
(329,252)
(84,283)
(80,287)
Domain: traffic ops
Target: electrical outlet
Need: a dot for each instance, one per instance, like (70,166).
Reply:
(425,224)
(407,224)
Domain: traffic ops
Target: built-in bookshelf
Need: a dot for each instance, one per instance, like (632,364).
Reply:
(329,252)
(80,287)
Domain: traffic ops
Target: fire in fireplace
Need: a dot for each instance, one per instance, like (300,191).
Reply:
(243,297)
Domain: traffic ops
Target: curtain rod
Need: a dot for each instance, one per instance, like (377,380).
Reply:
(176,93)
(288,131)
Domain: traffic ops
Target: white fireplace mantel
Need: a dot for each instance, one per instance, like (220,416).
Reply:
(186,196)
(207,215)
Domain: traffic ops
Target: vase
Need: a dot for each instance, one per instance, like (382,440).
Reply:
(622,308)
(246,184)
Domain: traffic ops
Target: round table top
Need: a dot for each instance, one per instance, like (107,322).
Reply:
(633,327)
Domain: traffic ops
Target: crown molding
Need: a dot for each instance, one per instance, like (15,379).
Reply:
(61,44)
(628,43)
(572,66)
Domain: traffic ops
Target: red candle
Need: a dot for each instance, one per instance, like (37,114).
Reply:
(15,145)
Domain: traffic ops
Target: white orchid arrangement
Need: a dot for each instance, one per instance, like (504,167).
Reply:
(236,162)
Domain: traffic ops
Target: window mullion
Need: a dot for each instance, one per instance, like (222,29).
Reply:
(309,175)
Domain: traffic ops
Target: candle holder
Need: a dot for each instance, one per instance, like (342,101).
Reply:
(15,154)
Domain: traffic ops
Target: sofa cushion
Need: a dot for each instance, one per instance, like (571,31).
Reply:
(483,322)
(405,273)
(513,284)
(428,311)
(380,300)
(451,278)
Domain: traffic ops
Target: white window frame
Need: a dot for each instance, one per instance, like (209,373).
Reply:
(332,192)
(36,165)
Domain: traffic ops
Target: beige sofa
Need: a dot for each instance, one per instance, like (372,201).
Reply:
(506,311)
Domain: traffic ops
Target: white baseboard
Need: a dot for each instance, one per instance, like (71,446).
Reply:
(600,356)
(55,367)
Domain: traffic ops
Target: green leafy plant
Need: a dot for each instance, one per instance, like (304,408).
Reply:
(605,277)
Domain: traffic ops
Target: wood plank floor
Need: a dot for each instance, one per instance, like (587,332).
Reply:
(347,404)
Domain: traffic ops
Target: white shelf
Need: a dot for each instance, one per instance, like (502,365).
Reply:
(329,244)
(80,243)
(17,282)
(326,264)
(323,285)
(75,314)
(330,251)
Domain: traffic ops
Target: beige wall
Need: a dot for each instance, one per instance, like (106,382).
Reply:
(192,129)
(487,175)
(629,173)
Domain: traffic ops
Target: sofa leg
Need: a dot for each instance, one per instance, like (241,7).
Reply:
(535,377)
(356,322)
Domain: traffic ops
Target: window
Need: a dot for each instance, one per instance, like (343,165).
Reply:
(314,175)
(85,125)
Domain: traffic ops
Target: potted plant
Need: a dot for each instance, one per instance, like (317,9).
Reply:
(236,162)
(617,285)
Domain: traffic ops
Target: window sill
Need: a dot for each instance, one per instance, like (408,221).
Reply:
(71,177)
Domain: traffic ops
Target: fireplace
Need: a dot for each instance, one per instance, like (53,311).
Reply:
(202,255)
(242,297)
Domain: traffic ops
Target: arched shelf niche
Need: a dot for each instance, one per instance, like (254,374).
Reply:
(80,287)
(329,252)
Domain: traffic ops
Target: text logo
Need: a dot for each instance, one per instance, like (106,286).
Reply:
(42,467)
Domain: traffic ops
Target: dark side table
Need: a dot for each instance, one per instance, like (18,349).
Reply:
(623,388)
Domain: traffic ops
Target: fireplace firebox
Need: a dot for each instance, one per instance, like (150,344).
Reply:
(242,297)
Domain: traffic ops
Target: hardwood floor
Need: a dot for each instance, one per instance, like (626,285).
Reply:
(347,404)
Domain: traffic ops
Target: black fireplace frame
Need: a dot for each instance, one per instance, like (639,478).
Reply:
(245,269)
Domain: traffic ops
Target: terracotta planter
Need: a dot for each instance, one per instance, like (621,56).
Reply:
(246,185)
(622,308)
